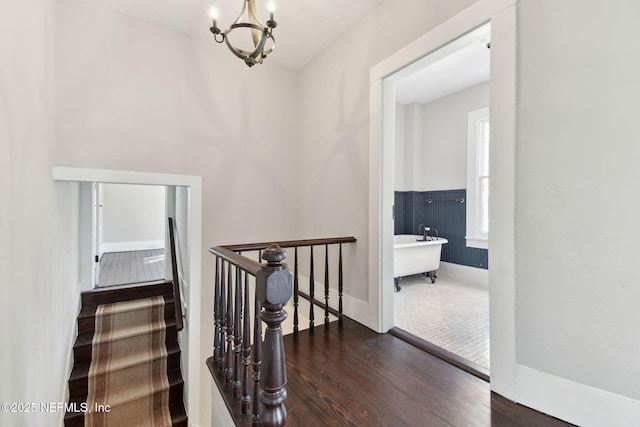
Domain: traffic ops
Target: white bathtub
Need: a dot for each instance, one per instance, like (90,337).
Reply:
(411,256)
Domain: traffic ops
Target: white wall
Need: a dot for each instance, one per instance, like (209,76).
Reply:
(39,222)
(135,96)
(577,222)
(133,217)
(434,141)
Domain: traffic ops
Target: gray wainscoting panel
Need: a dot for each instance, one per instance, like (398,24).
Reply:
(446,214)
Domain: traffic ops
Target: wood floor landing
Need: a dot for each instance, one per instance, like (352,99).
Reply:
(356,377)
(118,268)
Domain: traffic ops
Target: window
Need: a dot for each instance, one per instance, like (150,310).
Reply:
(478,137)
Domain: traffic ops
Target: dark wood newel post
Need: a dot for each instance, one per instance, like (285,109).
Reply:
(273,289)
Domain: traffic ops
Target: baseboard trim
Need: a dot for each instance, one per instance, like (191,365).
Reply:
(576,403)
(220,415)
(466,273)
(353,308)
(131,246)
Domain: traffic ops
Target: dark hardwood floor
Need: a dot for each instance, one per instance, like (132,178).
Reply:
(356,377)
(117,268)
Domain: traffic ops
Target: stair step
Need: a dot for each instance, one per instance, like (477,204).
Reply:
(78,381)
(176,405)
(125,293)
(87,316)
(84,344)
(86,325)
(178,414)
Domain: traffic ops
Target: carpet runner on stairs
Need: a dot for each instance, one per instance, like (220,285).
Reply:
(128,370)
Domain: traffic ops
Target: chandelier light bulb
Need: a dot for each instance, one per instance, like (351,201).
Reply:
(272,8)
(213,12)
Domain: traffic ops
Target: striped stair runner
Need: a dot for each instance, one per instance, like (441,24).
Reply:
(128,370)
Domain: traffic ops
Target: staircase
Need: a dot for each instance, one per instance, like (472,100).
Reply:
(127,359)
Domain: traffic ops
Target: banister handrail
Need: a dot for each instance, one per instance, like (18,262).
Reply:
(273,288)
(274,285)
(176,280)
(244,263)
(290,243)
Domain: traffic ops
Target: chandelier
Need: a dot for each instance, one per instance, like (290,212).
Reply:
(260,35)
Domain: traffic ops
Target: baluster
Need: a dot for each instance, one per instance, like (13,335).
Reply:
(311,293)
(340,316)
(257,359)
(295,293)
(273,288)
(246,348)
(223,317)
(326,286)
(216,317)
(237,334)
(229,358)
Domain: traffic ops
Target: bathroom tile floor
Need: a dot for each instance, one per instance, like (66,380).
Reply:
(451,314)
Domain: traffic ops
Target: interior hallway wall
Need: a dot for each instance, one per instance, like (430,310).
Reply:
(135,96)
(39,222)
(577,163)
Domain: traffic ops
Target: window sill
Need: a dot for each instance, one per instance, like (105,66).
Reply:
(477,242)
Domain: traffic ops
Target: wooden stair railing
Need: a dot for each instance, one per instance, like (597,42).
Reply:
(232,335)
(310,243)
(236,365)
(176,279)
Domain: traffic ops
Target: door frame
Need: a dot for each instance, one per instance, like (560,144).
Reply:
(197,376)
(97,230)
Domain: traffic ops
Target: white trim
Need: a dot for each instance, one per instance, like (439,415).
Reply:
(467,20)
(502,276)
(474,238)
(70,360)
(88,266)
(132,246)
(501,14)
(220,415)
(574,402)
(476,242)
(197,371)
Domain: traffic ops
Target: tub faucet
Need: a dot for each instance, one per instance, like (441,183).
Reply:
(422,229)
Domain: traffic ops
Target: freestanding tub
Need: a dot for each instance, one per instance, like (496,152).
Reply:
(411,255)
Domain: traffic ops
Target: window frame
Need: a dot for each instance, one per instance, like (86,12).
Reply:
(476,238)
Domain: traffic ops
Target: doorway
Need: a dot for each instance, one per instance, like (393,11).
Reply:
(439,192)
(129,233)
(502,15)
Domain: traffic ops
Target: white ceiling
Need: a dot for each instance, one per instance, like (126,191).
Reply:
(465,66)
(305,27)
